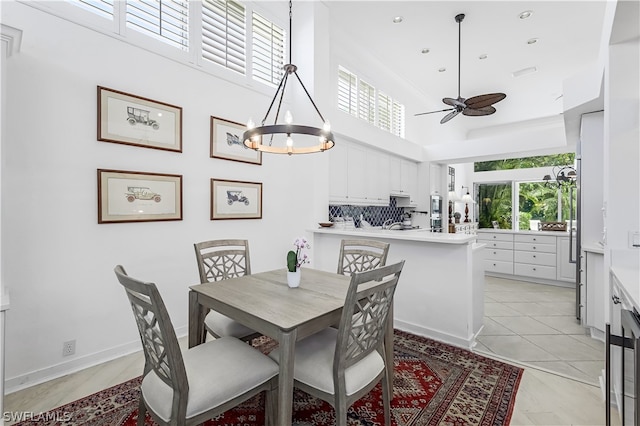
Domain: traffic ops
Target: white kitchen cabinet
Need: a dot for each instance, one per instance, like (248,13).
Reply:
(377,178)
(535,256)
(358,175)
(566,269)
(593,281)
(403,178)
(498,252)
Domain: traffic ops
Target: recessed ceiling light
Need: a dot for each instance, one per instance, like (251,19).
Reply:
(483,56)
(425,50)
(443,69)
(526,14)
(524,71)
(532,40)
(397,19)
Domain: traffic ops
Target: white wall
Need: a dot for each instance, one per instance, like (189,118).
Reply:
(57,260)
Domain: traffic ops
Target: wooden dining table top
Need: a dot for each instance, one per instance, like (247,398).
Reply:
(267,296)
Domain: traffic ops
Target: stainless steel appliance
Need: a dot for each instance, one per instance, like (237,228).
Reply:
(436,213)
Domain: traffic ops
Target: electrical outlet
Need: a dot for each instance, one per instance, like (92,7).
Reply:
(69,348)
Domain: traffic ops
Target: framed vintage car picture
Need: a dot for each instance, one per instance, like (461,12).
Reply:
(226,142)
(126,196)
(231,199)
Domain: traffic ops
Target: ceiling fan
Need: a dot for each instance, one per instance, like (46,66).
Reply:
(474,106)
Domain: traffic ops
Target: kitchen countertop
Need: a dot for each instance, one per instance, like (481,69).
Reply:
(424,235)
(625,265)
(518,231)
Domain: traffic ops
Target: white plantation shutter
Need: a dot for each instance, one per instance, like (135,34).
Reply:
(384,112)
(347,92)
(166,20)
(103,8)
(224,34)
(366,102)
(397,119)
(268,50)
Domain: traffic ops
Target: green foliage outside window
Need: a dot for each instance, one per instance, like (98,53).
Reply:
(494,203)
(525,163)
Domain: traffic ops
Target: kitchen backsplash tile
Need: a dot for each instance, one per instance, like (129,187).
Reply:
(375,215)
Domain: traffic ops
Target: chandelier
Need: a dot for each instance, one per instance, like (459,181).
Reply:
(254,137)
(563,175)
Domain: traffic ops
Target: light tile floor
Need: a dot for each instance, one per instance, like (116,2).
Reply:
(534,324)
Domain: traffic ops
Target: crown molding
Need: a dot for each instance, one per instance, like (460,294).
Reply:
(11,40)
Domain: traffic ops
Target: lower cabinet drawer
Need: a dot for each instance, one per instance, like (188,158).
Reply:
(546,248)
(498,266)
(497,254)
(545,259)
(536,271)
(507,245)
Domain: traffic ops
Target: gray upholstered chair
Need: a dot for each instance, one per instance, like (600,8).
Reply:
(342,365)
(221,260)
(361,255)
(190,387)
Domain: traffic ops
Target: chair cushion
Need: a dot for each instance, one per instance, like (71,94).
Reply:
(314,364)
(225,326)
(217,371)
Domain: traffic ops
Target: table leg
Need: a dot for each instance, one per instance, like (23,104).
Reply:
(196,320)
(287,343)
(388,350)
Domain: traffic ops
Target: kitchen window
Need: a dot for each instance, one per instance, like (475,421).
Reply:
(536,202)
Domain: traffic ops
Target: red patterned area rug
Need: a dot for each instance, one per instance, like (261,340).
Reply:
(434,384)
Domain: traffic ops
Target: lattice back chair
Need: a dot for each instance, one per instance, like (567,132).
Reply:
(341,366)
(361,255)
(221,260)
(190,387)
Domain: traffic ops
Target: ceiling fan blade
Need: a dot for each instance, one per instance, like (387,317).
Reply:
(473,112)
(454,102)
(449,116)
(481,101)
(432,112)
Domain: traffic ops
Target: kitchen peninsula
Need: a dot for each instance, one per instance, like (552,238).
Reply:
(441,290)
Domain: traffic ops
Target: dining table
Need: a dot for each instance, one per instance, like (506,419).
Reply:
(265,303)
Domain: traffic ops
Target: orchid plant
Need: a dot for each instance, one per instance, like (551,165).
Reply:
(297,258)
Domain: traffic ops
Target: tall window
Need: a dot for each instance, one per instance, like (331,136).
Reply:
(366,102)
(268,50)
(162,19)
(495,205)
(224,34)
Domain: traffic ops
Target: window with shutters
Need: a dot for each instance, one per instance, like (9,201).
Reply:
(347,92)
(166,20)
(224,34)
(385,106)
(103,8)
(366,102)
(268,50)
(362,100)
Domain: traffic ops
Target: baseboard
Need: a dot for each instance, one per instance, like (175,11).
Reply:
(74,365)
(433,334)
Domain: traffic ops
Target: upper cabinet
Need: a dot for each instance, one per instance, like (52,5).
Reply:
(365,176)
(403,179)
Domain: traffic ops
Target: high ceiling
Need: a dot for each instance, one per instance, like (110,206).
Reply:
(568,37)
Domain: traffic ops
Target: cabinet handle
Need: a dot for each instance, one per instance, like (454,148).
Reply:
(535,239)
(495,252)
(616,300)
(534,256)
(494,237)
(534,247)
(534,269)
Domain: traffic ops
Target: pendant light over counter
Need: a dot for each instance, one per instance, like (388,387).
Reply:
(254,137)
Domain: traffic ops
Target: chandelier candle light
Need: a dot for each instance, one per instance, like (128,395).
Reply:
(253,137)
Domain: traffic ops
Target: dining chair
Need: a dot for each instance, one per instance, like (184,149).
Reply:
(192,386)
(361,255)
(342,365)
(221,260)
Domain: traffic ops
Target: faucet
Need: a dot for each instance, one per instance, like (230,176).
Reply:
(388,224)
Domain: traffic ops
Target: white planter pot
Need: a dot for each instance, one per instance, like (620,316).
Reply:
(293,278)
